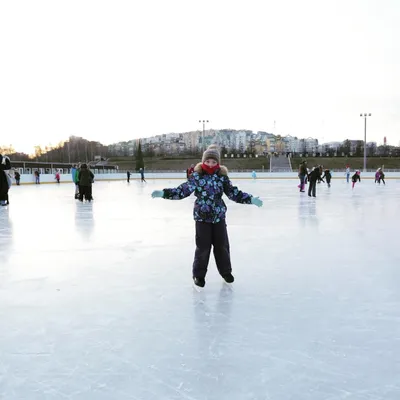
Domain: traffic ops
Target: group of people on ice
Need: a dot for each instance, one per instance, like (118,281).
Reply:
(141,172)
(379,176)
(318,174)
(83,178)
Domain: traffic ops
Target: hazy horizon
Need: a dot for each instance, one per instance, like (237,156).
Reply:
(113,72)
(127,140)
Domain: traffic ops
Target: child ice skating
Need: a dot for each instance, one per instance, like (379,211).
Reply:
(209,182)
(356,177)
(328,176)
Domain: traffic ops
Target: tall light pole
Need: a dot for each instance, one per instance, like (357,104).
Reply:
(365,115)
(204,121)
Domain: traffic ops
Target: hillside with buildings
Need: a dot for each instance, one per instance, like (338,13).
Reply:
(246,142)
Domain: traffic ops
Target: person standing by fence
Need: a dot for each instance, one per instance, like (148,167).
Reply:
(5,180)
(17,177)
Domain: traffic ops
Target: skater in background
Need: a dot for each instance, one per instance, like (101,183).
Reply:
(356,177)
(313,177)
(380,176)
(302,175)
(5,180)
(17,177)
(128,176)
(37,177)
(328,177)
(209,182)
(85,179)
(321,171)
(58,176)
(254,175)
(74,174)
(377,175)
(189,171)
(141,170)
(347,173)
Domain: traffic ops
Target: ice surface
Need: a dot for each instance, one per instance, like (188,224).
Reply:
(96,300)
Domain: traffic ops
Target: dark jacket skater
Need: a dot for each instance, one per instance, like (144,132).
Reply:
(356,177)
(313,177)
(141,171)
(328,176)
(209,184)
(85,179)
(17,177)
(5,165)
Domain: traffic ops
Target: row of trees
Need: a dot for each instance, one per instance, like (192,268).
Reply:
(75,149)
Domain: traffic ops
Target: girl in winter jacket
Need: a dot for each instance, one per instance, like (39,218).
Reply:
(209,182)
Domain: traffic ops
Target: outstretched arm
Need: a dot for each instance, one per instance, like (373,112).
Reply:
(235,194)
(182,191)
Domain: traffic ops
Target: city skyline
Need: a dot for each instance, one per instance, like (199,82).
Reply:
(125,71)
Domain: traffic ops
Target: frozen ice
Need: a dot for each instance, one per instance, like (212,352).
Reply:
(97,303)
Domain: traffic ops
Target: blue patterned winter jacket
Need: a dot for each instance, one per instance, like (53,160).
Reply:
(209,206)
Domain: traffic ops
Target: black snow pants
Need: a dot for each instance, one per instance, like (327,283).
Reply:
(311,188)
(85,191)
(208,235)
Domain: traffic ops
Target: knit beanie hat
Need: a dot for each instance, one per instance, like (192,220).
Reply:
(211,152)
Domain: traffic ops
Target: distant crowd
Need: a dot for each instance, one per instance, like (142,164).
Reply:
(317,175)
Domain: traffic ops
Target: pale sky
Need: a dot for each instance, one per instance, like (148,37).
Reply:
(118,70)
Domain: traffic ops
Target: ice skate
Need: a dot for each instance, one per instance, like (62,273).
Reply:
(229,278)
(199,283)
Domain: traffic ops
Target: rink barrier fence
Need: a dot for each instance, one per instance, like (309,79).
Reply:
(49,179)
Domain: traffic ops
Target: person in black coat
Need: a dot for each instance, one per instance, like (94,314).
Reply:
(17,177)
(328,176)
(356,177)
(313,177)
(5,165)
(85,178)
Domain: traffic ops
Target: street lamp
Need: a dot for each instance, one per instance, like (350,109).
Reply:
(204,121)
(365,115)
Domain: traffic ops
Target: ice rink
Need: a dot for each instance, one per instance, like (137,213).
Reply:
(97,302)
